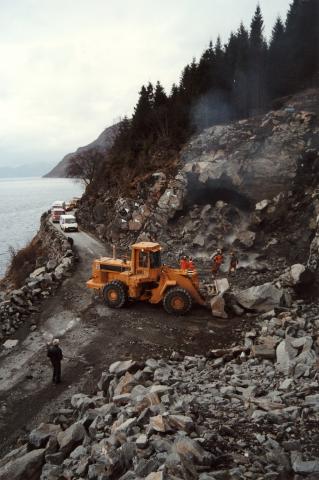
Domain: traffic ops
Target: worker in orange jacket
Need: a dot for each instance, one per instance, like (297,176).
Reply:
(233,263)
(184,263)
(191,265)
(218,259)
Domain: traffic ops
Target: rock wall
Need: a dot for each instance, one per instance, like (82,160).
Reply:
(19,305)
(256,157)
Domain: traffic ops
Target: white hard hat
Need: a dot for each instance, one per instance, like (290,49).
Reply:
(56,341)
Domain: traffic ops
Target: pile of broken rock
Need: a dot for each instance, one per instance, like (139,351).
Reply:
(17,305)
(250,412)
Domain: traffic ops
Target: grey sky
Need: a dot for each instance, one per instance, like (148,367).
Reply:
(69,68)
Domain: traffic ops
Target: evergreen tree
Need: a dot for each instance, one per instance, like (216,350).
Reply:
(161,112)
(206,67)
(178,116)
(189,84)
(302,42)
(257,63)
(231,54)
(219,78)
(150,93)
(123,137)
(243,49)
(256,37)
(277,34)
(141,121)
(240,88)
(160,97)
(276,71)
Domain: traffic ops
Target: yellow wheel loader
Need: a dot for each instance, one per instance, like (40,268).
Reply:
(145,278)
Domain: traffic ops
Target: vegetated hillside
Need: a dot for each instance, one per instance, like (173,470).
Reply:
(103,143)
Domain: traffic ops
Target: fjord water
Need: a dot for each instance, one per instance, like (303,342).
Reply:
(22,202)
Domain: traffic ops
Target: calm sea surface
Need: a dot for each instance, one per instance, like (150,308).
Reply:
(22,201)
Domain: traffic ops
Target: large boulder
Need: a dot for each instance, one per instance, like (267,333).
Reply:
(245,238)
(260,298)
(82,401)
(40,435)
(192,450)
(27,467)
(218,307)
(290,362)
(296,275)
(71,437)
(222,285)
(120,367)
(286,355)
(36,273)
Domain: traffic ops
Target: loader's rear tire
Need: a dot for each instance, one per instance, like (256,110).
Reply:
(177,301)
(115,294)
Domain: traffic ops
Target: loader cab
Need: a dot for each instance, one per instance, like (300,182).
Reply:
(146,260)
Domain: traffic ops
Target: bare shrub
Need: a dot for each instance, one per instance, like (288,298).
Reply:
(23,262)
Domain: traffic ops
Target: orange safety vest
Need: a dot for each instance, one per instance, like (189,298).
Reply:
(218,259)
(184,264)
(191,265)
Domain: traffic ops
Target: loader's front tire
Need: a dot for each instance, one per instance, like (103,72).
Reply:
(115,294)
(177,301)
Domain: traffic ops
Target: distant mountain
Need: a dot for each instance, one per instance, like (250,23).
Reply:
(103,143)
(27,170)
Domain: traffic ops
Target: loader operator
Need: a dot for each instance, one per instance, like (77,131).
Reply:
(218,259)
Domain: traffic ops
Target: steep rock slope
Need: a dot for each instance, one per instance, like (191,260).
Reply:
(249,185)
(103,143)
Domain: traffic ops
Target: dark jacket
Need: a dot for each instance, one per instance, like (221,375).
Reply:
(55,353)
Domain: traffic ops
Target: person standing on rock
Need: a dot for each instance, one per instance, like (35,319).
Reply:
(233,263)
(55,355)
(218,259)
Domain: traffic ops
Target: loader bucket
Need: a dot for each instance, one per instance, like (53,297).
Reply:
(222,285)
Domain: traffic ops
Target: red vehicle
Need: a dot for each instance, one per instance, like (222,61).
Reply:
(56,214)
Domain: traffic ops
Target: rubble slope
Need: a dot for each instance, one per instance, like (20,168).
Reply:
(246,412)
(249,185)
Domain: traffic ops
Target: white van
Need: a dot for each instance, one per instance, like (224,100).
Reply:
(58,204)
(68,223)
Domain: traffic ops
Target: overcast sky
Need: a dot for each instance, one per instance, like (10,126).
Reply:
(70,68)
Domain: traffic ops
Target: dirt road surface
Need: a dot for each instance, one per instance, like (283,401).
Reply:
(92,336)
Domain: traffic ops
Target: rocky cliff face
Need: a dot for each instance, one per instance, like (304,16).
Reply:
(250,185)
(103,143)
(251,159)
